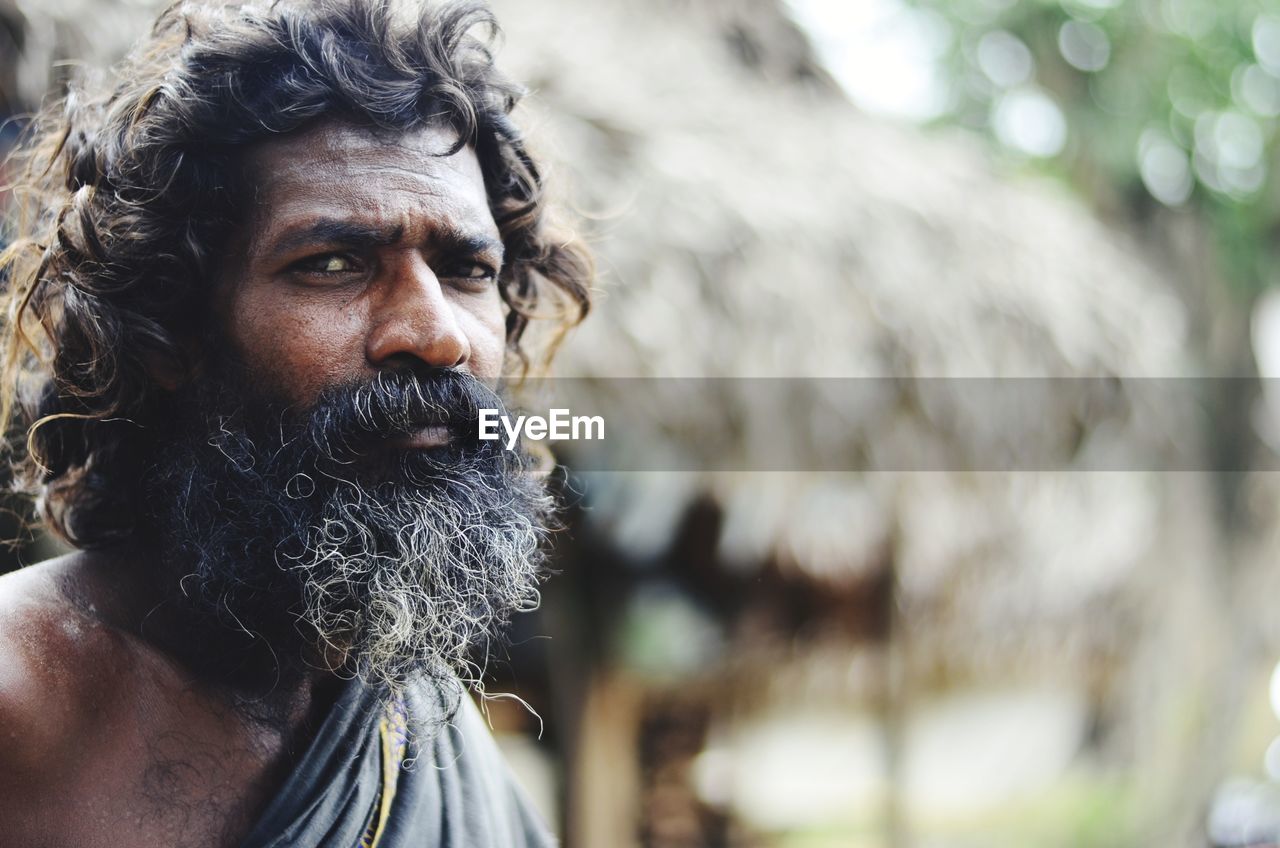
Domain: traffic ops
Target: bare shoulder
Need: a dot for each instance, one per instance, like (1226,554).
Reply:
(59,669)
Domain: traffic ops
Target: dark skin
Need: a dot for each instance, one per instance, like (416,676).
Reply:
(361,253)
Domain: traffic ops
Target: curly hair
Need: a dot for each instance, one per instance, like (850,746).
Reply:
(125,199)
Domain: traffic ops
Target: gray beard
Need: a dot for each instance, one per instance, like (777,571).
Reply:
(296,552)
(408,579)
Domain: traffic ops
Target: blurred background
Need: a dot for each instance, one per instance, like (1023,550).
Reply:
(888,189)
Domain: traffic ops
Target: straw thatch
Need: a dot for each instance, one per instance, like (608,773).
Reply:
(751,223)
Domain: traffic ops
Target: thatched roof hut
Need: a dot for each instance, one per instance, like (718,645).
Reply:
(752,224)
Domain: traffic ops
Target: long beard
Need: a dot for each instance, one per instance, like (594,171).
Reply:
(318,545)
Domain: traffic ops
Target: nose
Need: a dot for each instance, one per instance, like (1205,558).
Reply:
(414,320)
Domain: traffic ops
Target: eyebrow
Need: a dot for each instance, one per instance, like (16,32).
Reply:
(352,234)
(470,244)
(338,232)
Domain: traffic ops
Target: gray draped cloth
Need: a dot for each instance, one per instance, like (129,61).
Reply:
(367,783)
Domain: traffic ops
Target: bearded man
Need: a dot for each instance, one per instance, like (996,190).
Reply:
(258,292)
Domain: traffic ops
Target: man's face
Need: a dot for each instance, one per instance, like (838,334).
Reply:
(364,254)
(325,478)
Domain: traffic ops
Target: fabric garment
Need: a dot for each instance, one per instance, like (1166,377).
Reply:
(369,782)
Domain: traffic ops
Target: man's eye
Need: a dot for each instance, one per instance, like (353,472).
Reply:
(477,273)
(329,263)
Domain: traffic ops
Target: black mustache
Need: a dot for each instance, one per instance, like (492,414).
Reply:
(399,403)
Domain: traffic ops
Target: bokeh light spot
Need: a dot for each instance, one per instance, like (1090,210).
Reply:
(1027,120)
(1256,89)
(1084,46)
(1266,41)
(1005,59)
(1164,168)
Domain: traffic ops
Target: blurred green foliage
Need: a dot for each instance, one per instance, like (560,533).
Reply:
(1136,103)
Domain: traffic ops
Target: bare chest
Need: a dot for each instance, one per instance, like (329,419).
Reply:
(174,775)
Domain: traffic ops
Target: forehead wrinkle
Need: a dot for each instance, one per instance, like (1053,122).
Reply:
(342,172)
(355,165)
(346,145)
(352,184)
(448,226)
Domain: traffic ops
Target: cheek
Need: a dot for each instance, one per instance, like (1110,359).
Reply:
(487,337)
(294,350)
